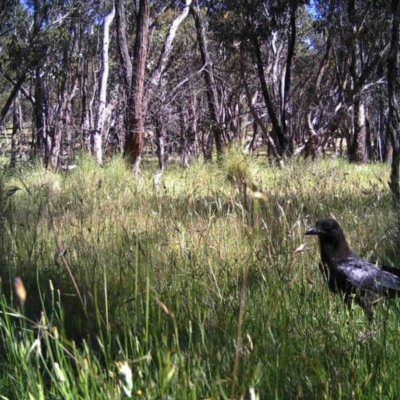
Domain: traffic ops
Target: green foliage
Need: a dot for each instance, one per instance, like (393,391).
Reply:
(133,292)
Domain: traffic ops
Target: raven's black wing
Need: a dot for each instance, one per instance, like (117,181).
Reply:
(365,275)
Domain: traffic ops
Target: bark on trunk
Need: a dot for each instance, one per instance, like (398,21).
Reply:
(383,135)
(61,125)
(315,88)
(282,140)
(358,149)
(98,132)
(125,59)
(122,43)
(393,96)
(287,81)
(85,121)
(43,141)
(134,137)
(272,145)
(156,82)
(11,98)
(211,87)
(16,132)
(160,144)
(165,53)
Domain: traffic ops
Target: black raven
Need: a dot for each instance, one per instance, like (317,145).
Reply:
(350,275)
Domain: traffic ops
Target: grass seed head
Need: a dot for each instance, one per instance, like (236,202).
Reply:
(125,375)
(59,373)
(20,290)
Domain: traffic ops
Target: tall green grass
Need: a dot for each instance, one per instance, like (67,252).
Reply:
(195,287)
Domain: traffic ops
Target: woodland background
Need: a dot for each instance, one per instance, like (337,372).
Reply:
(189,77)
(160,163)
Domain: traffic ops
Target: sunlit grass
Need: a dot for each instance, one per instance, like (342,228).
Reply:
(150,279)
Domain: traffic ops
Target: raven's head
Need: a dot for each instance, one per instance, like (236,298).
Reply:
(326,227)
(331,238)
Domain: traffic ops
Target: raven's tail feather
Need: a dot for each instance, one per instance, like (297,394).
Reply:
(389,281)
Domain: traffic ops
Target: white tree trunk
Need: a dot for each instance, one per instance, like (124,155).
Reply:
(98,131)
(156,81)
(166,51)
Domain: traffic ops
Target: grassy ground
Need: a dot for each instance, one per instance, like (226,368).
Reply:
(194,287)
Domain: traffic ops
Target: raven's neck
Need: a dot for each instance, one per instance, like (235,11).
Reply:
(335,247)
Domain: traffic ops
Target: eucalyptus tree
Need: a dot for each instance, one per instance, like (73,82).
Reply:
(15,54)
(364,52)
(353,40)
(393,67)
(46,55)
(135,118)
(98,132)
(211,87)
(57,80)
(265,31)
(157,84)
(141,79)
(13,71)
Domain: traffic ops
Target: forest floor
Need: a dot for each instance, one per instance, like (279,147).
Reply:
(192,290)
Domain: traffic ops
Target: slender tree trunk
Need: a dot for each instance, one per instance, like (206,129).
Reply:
(283,141)
(85,120)
(314,88)
(62,124)
(252,144)
(211,87)
(394,95)
(134,137)
(16,132)
(156,82)
(382,130)
(193,137)
(57,133)
(11,98)
(272,144)
(125,59)
(160,144)
(43,141)
(287,81)
(98,131)
(358,149)
(165,53)
(122,44)
(183,140)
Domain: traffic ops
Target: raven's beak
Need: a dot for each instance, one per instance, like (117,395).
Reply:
(312,231)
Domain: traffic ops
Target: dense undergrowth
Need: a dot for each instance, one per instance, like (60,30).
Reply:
(193,287)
